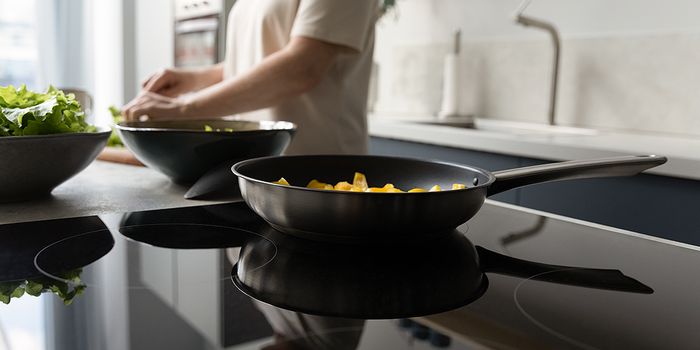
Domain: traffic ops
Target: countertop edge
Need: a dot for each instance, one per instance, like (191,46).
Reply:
(684,160)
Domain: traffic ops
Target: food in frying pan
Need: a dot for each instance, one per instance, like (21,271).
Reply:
(359,184)
(281,181)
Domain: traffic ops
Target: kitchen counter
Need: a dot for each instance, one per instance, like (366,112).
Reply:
(164,279)
(158,274)
(156,284)
(683,151)
(103,188)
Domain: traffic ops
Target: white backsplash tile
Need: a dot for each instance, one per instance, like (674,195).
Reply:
(648,83)
(416,85)
(511,79)
(644,83)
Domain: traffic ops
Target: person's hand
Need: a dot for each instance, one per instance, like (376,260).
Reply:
(170,82)
(149,105)
(284,345)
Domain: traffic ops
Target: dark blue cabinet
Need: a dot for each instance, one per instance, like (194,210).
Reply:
(659,206)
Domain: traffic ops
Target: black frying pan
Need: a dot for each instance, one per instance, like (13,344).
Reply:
(357,217)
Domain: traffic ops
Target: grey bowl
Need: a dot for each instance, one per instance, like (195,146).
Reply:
(184,151)
(32,166)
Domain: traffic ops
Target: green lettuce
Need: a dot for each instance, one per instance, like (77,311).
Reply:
(67,289)
(209,128)
(114,140)
(25,112)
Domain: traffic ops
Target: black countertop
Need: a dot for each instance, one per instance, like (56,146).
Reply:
(183,278)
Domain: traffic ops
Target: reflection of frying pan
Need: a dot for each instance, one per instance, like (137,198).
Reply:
(22,242)
(380,282)
(376,217)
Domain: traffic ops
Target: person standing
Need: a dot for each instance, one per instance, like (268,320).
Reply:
(303,61)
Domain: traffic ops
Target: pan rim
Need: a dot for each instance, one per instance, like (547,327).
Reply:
(491,177)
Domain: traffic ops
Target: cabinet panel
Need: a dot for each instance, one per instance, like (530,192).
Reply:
(659,206)
(654,205)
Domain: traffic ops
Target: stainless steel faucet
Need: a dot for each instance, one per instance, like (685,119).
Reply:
(528,21)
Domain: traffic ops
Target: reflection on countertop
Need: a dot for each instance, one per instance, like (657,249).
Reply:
(166,282)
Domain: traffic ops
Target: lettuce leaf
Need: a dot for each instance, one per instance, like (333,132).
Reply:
(24,112)
(114,140)
(67,289)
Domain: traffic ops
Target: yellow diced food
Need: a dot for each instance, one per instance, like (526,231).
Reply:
(319,185)
(360,181)
(342,186)
(386,188)
(360,184)
(281,181)
(417,190)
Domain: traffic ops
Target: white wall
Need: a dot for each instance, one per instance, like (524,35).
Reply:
(131,39)
(154,37)
(625,64)
(107,57)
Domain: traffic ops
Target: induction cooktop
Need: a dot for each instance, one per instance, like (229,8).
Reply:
(219,276)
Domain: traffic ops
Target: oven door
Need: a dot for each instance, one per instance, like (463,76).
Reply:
(196,41)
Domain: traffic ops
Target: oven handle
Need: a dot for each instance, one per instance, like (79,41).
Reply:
(196,25)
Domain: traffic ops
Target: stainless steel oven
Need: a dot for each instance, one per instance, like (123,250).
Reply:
(200,31)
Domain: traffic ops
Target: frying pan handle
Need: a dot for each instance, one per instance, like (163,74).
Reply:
(576,169)
(605,279)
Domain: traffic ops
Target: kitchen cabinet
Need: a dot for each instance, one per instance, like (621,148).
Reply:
(659,206)
(168,274)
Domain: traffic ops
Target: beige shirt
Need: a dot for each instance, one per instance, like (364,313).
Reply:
(332,118)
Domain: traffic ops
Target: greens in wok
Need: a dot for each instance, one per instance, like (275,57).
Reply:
(24,112)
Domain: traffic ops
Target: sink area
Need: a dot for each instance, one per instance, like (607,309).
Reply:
(512,128)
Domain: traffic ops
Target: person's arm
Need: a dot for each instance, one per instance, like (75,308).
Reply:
(172,82)
(297,68)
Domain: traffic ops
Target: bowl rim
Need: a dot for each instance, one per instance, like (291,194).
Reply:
(274,125)
(101,130)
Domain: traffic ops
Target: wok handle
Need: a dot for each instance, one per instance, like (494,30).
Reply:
(576,169)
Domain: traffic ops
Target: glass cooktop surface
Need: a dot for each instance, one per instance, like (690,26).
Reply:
(219,277)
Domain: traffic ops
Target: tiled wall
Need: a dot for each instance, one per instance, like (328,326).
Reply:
(649,83)
(646,81)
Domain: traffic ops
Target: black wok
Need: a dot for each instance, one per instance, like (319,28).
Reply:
(361,217)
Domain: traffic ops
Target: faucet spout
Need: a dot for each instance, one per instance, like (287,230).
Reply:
(528,21)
